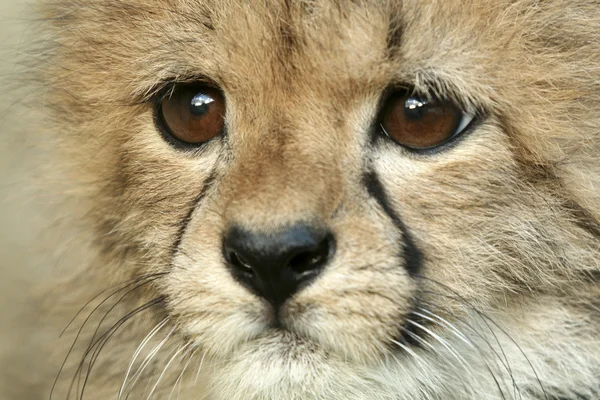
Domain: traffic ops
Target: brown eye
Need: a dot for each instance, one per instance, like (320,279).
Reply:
(417,123)
(193,114)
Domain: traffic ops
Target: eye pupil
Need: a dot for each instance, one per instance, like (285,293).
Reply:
(200,104)
(415,108)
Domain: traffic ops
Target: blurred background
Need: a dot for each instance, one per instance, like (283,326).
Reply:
(21,217)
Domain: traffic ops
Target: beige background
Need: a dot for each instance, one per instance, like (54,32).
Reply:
(21,268)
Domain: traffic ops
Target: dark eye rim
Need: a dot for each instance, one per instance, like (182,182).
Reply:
(454,139)
(162,127)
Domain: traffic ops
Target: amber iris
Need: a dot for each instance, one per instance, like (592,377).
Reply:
(419,123)
(193,114)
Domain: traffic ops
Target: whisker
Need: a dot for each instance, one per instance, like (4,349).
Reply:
(458,357)
(457,333)
(104,338)
(485,318)
(101,342)
(127,284)
(147,361)
(165,370)
(499,357)
(199,369)
(418,339)
(454,330)
(432,348)
(444,322)
(137,352)
(462,301)
(407,349)
(191,352)
(141,284)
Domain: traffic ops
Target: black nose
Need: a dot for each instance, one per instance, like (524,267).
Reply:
(276,265)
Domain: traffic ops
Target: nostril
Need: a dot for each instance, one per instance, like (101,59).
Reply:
(239,262)
(310,261)
(305,262)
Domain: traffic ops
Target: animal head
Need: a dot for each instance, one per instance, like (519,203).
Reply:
(318,188)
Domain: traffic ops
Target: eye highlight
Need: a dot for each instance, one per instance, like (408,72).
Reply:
(192,114)
(418,123)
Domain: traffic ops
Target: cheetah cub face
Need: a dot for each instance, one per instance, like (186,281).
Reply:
(343,200)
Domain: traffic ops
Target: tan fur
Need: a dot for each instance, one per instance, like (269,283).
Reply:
(507,302)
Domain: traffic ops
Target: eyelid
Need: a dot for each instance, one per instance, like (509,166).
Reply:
(164,88)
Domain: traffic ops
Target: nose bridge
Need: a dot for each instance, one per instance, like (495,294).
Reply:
(282,177)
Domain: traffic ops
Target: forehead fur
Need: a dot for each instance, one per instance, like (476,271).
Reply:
(485,54)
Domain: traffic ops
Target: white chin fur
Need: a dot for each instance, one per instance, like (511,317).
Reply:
(284,367)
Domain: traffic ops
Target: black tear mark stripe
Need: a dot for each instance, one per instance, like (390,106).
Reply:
(413,258)
(185,221)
